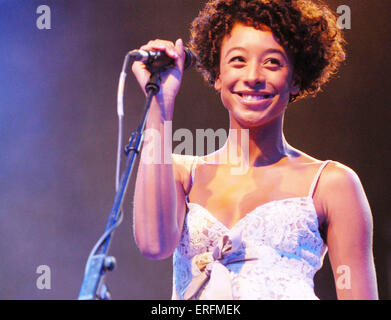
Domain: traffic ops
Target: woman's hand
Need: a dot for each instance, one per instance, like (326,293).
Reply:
(170,79)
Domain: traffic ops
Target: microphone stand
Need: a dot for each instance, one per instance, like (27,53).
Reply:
(99,263)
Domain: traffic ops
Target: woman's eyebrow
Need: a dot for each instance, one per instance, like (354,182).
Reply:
(275,50)
(234,48)
(270,50)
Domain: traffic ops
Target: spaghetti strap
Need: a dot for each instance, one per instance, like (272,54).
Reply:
(316,179)
(192,174)
(193,167)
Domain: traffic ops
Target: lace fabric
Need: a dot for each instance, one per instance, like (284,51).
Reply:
(279,253)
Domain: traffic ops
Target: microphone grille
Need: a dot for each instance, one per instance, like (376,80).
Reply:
(190,59)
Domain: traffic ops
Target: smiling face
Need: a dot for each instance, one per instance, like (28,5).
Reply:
(256,77)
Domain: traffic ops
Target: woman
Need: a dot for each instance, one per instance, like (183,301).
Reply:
(263,233)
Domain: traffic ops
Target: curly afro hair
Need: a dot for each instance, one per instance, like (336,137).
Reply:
(307,29)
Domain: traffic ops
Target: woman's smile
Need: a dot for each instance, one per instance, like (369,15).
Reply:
(255,98)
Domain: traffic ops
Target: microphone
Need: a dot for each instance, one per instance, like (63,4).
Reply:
(159,59)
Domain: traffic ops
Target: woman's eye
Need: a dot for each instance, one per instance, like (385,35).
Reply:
(274,61)
(237,59)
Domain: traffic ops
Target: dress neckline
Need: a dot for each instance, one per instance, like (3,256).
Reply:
(256,209)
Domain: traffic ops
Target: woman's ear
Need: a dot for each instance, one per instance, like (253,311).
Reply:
(295,85)
(217,84)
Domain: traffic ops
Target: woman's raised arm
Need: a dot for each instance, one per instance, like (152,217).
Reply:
(159,199)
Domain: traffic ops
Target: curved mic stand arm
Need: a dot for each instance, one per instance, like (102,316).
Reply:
(98,262)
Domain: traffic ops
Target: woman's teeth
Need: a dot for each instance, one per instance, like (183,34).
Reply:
(250,97)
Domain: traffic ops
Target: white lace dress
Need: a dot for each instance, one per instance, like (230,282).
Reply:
(273,252)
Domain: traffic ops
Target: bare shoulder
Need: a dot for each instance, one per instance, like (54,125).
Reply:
(335,174)
(339,177)
(298,158)
(342,194)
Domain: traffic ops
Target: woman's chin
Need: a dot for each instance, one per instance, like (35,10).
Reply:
(251,121)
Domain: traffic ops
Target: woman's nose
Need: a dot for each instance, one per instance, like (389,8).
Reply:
(254,75)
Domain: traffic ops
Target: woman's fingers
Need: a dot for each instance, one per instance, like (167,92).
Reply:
(161,45)
(171,78)
(180,61)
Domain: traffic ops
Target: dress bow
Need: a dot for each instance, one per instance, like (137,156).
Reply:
(210,269)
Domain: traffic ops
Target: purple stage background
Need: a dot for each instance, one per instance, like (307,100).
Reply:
(58,135)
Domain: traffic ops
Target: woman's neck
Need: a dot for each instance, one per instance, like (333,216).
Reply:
(257,146)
